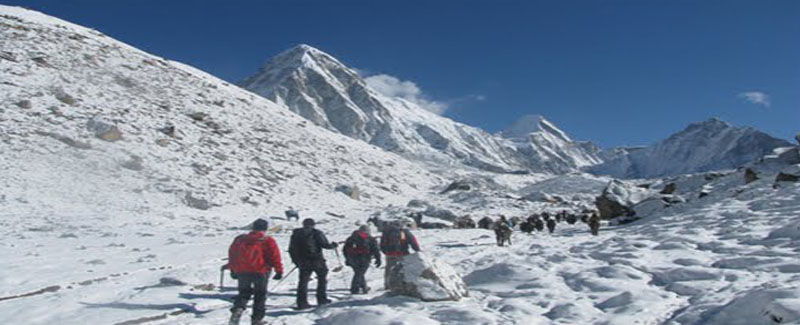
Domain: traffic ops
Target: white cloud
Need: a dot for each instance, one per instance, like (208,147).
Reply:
(756,97)
(393,87)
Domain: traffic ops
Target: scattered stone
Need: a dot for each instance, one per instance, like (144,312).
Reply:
(197,203)
(460,185)
(24,104)
(162,142)
(198,116)
(168,282)
(419,276)
(169,130)
(417,204)
(784,177)
(104,129)
(205,287)
(750,176)
(65,98)
(351,191)
(42,62)
(669,189)
(135,163)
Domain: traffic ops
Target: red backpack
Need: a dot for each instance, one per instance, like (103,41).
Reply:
(246,254)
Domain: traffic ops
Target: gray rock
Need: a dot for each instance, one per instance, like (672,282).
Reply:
(104,129)
(135,163)
(460,185)
(197,203)
(423,277)
(750,176)
(350,191)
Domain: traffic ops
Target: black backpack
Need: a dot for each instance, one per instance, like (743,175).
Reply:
(305,244)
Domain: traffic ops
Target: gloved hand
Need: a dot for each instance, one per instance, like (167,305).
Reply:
(377,263)
(335,244)
(278,276)
(347,262)
(234,276)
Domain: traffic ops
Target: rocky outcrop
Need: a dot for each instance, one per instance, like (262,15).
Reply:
(460,185)
(423,277)
(750,176)
(618,199)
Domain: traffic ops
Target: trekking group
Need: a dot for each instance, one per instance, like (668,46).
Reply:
(252,257)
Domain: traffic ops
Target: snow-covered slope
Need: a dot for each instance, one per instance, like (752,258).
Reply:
(62,83)
(328,93)
(703,146)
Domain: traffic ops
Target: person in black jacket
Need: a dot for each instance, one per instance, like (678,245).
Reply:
(305,249)
(359,249)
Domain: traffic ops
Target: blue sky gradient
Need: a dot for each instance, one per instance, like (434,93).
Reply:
(611,71)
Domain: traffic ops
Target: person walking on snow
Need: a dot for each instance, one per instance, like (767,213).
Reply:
(251,258)
(359,249)
(395,243)
(305,249)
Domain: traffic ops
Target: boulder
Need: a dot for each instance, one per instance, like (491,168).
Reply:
(784,177)
(104,129)
(26,104)
(750,176)
(197,203)
(669,189)
(797,137)
(438,213)
(460,185)
(418,204)
(618,199)
(351,191)
(426,278)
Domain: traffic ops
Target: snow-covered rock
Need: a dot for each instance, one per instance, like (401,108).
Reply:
(704,146)
(420,276)
(618,199)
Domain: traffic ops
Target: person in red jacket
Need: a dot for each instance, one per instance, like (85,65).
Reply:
(395,243)
(251,258)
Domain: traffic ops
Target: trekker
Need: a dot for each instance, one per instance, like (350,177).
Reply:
(251,258)
(305,249)
(594,224)
(395,243)
(359,249)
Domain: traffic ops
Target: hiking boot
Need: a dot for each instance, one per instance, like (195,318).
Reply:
(324,302)
(236,314)
(366,290)
(303,306)
(258,322)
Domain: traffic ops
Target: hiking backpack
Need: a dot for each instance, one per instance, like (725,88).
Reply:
(246,255)
(357,245)
(393,241)
(306,245)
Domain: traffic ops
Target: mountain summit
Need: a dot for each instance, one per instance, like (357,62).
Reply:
(328,93)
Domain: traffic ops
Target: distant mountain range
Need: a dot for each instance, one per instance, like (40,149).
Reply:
(320,88)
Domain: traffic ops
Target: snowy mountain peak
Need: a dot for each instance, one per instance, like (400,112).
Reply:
(712,144)
(318,87)
(524,126)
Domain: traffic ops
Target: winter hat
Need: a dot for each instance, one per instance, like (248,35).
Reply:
(260,224)
(364,228)
(308,222)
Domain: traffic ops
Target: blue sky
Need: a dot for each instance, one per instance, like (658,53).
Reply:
(610,71)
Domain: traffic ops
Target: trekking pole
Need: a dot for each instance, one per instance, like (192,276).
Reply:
(284,278)
(222,276)
(338,259)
